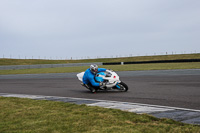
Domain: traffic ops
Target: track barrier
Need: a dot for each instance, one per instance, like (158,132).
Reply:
(158,61)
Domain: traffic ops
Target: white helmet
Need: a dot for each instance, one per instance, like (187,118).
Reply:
(94,68)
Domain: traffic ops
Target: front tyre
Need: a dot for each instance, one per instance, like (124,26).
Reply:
(123,86)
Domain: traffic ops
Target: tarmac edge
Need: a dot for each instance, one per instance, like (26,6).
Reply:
(184,115)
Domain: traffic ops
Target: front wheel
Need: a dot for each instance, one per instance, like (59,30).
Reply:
(123,86)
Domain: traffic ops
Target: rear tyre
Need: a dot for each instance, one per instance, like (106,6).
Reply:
(123,87)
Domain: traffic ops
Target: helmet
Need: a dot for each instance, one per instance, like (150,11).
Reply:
(94,68)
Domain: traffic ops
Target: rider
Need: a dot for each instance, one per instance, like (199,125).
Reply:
(88,78)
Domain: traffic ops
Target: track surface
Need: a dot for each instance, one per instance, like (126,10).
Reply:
(176,88)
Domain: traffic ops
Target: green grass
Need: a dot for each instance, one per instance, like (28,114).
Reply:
(34,116)
(125,59)
(134,67)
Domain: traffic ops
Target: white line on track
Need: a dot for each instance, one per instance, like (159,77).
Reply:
(107,101)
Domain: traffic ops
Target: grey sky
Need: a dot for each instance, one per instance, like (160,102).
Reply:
(81,28)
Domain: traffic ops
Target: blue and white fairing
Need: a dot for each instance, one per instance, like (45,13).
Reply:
(99,76)
(111,78)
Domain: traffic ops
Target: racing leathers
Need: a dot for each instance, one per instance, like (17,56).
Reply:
(88,77)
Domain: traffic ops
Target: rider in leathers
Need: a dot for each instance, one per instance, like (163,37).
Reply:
(89,75)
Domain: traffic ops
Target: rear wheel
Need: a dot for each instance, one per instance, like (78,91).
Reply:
(123,87)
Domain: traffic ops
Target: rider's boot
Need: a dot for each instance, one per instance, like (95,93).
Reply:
(93,90)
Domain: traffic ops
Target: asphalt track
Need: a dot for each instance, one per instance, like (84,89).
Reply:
(175,88)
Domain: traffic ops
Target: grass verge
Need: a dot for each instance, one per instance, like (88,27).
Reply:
(134,67)
(122,59)
(35,116)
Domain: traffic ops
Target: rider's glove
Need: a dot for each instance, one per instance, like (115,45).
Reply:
(102,84)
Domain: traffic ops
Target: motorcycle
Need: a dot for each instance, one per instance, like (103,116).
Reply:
(110,78)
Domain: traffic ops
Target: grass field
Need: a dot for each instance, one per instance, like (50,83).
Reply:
(156,66)
(135,67)
(35,116)
(125,59)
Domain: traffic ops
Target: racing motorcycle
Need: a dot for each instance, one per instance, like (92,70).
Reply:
(110,78)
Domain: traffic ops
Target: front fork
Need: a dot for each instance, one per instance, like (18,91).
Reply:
(117,85)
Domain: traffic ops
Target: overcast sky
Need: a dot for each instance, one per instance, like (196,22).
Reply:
(103,28)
